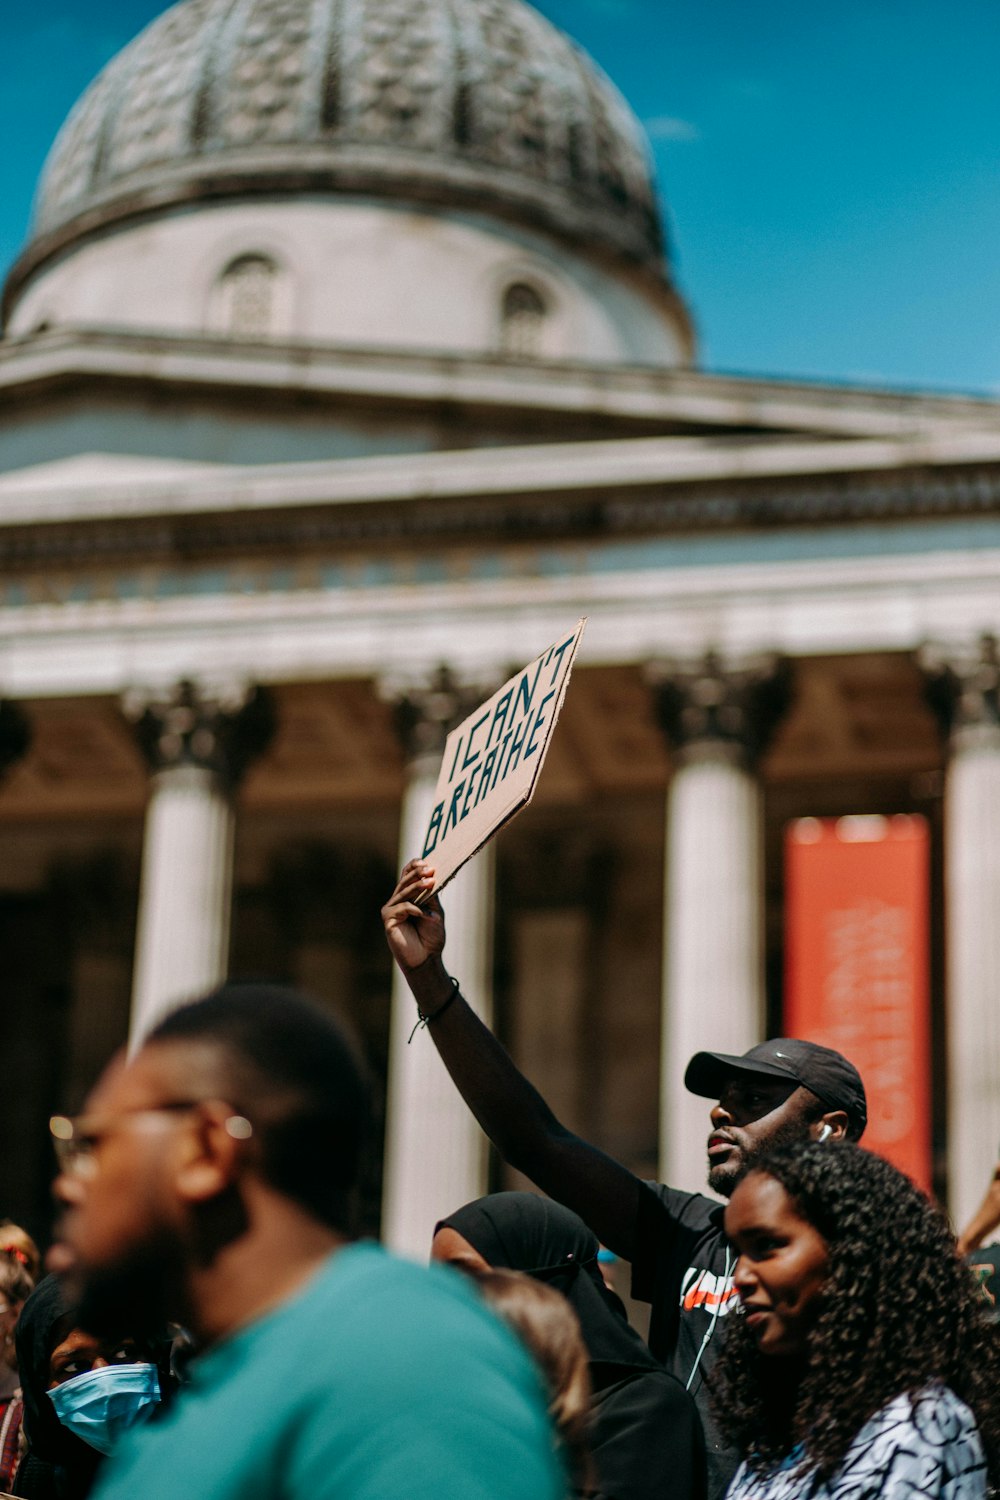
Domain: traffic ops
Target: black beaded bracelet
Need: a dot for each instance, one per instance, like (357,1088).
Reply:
(423,1021)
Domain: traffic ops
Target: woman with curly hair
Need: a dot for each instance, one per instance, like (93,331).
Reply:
(862,1365)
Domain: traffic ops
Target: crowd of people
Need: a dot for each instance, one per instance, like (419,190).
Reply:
(210,1327)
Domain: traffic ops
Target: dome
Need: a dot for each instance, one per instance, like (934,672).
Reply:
(481,104)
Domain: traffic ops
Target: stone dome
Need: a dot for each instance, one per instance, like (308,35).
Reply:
(481,104)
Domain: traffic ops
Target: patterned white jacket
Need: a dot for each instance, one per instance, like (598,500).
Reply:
(925,1445)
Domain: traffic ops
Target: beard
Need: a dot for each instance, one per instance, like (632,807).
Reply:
(726,1177)
(133,1298)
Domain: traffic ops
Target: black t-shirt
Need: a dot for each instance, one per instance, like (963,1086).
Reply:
(683,1266)
(645,1436)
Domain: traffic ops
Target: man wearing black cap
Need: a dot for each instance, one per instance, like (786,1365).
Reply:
(681,1261)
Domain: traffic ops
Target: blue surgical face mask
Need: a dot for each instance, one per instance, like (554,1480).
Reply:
(101,1405)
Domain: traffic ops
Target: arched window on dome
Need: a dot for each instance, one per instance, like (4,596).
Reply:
(249,294)
(523,314)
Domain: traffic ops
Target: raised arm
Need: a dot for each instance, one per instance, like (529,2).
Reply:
(511,1112)
(984,1220)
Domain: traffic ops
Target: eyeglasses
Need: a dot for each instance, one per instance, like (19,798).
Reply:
(76,1138)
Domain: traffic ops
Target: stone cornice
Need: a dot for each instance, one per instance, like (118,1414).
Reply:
(678,398)
(504,519)
(598,512)
(931,457)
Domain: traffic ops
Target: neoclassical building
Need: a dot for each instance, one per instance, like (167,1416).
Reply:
(342,371)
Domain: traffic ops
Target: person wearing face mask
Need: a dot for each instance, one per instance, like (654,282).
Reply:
(861,1365)
(81,1396)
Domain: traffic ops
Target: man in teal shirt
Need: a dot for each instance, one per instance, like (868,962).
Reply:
(209,1183)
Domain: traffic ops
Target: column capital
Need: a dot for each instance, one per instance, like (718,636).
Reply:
(715,709)
(962,687)
(219,728)
(428,706)
(15,733)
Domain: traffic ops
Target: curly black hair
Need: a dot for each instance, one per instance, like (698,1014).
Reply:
(899,1309)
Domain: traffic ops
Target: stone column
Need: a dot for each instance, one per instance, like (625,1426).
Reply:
(435,1154)
(198,744)
(963,687)
(718,719)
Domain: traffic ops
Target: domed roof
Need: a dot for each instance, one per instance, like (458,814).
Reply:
(480,104)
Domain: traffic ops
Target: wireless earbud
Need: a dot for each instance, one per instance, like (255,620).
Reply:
(825,1133)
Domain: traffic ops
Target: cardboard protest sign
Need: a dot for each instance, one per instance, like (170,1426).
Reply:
(492,761)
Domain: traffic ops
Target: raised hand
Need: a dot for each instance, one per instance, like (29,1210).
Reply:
(415,933)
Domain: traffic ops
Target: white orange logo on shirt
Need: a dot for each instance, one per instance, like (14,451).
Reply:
(700,1288)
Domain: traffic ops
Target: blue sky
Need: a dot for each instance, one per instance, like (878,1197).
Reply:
(831,173)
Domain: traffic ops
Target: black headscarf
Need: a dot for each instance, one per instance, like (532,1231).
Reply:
(523,1232)
(59,1463)
(645,1435)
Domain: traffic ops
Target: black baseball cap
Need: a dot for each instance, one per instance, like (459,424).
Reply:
(826,1073)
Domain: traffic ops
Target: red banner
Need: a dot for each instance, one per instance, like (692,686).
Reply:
(857,966)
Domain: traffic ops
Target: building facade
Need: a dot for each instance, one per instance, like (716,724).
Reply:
(343,370)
